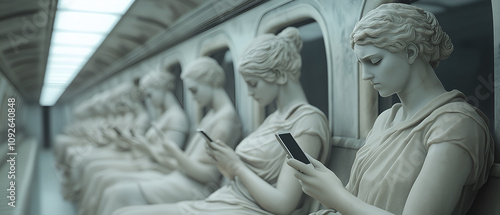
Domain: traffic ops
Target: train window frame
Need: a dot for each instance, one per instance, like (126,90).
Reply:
(214,42)
(230,81)
(179,84)
(292,14)
(164,63)
(305,81)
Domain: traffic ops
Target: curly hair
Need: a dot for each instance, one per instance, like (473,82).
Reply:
(272,56)
(393,26)
(205,70)
(158,80)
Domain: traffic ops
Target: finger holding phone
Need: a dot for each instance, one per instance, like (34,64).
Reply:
(124,143)
(291,147)
(127,137)
(210,146)
(207,138)
(311,173)
(107,132)
(166,143)
(226,159)
(103,130)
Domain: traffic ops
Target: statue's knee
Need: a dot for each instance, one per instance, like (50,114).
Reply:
(96,178)
(117,191)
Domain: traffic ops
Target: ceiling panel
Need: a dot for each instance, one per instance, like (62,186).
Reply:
(26,29)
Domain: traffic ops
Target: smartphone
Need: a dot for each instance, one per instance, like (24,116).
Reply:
(204,135)
(117,131)
(291,147)
(132,132)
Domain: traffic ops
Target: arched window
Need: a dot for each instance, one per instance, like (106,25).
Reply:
(225,59)
(314,76)
(179,86)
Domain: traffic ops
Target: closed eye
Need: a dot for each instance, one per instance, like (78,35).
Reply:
(376,61)
(252,84)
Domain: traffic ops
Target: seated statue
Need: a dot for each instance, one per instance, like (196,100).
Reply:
(430,153)
(144,152)
(87,134)
(74,133)
(76,137)
(88,116)
(101,138)
(260,181)
(194,174)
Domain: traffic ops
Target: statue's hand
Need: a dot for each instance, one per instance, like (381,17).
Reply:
(97,138)
(169,162)
(317,181)
(170,147)
(227,161)
(140,140)
(151,135)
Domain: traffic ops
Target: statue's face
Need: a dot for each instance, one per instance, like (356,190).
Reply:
(201,92)
(388,72)
(262,91)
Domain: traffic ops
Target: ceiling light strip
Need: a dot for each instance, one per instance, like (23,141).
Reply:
(80,26)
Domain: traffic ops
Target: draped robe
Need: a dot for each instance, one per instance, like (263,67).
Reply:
(261,153)
(386,167)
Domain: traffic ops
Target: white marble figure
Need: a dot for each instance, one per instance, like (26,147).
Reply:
(74,133)
(260,180)
(428,154)
(146,153)
(88,116)
(119,111)
(195,175)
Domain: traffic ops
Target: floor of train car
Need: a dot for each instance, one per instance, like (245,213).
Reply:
(47,186)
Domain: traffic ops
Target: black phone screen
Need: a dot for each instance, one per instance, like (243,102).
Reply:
(205,135)
(294,148)
(117,131)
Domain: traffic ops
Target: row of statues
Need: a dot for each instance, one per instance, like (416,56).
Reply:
(130,151)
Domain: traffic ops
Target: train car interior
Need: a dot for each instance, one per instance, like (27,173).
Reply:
(72,67)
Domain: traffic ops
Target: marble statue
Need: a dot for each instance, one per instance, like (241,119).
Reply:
(74,133)
(87,117)
(145,152)
(428,154)
(100,133)
(260,182)
(194,174)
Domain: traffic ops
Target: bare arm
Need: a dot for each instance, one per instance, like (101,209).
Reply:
(436,190)
(196,165)
(175,136)
(194,168)
(438,186)
(281,199)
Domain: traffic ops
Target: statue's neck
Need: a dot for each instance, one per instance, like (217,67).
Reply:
(220,100)
(290,95)
(424,87)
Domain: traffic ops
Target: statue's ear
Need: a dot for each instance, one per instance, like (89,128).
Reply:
(282,79)
(411,52)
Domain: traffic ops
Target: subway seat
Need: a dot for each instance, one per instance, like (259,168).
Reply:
(487,199)
(26,149)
